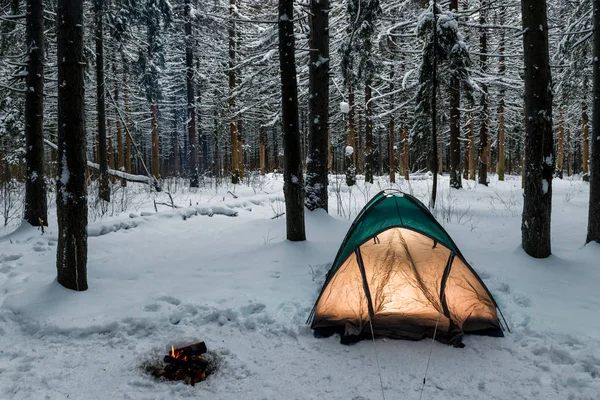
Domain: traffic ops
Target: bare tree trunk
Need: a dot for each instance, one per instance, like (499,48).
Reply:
(263,150)
(155,145)
(71,189)
(233,133)
(319,152)
(368,134)
(293,186)
(120,150)
(361,145)
(472,162)
(434,166)
(191,99)
(569,154)
(104,186)
(484,117)
(593,232)
(128,167)
(455,178)
(351,142)
(561,143)
(537,206)
(501,119)
(391,151)
(585,142)
(36,211)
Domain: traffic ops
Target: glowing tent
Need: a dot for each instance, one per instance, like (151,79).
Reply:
(399,274)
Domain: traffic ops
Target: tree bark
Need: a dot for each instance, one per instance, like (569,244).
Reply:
(128,166)
(317,180)
(293,186)
(36,209)
(120,150)
(71,193)
(455,176)
(351,158)
(585,143)
(501,117)
(484,117)
(155,143)
(191,100)
(391,151)
(569,154)
(561,143)
(233,133)
(434,86)
(368,133)
(104,186)
(539,146)
(263,150)
(593,233)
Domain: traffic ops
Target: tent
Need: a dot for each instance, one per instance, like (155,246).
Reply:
(398,274)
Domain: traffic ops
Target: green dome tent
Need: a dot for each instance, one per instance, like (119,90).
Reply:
(399,274)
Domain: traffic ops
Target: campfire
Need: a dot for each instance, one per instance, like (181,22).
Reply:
(184,364)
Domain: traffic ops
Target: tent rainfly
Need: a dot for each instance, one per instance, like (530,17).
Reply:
(398,274)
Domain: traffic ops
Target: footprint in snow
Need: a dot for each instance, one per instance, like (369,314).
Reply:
(152,307)
(275,275)
(40,247)
(522,301)
(170,299)
(10,257)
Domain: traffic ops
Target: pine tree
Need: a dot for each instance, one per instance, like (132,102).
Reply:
(104,186)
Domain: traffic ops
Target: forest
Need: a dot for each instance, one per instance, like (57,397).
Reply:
(120,113)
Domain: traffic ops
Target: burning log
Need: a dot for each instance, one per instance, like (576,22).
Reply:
(185,364)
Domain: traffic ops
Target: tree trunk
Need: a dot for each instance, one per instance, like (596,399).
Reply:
(455,177)
(191,100)
(128,167)
(104,186)
(120,150)
(585,142)
(406,154)
(368,133)
(561,143)
(391,151)
(360,144)
(36,211)
(434,86)
(593,233)
(71,188)
(350,157)
(263,150)
(569,154)
(155,147)
(317,167)
(539,146)
(472,163)
(293,187)
(501,118)
(484,117)
(233,134)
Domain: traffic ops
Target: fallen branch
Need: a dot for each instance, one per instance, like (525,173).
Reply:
(114,172)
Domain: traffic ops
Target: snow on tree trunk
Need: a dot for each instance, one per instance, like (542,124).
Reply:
(191,100)
(350,156)
(585,142)
(455,176)
(368,133)
(293,186)
(104,187)
(36,212)
(539,144)
(593,232)
(318,105)
(484,116)
(71,188)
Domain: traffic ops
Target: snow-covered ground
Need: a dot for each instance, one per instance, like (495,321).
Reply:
(234,282)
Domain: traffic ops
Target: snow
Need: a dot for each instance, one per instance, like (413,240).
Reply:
(235,282)
(344,107)
(545,186)
(349,150)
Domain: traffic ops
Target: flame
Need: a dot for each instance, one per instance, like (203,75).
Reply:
(173,352)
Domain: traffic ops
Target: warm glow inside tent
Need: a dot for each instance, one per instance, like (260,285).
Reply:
(399,271)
